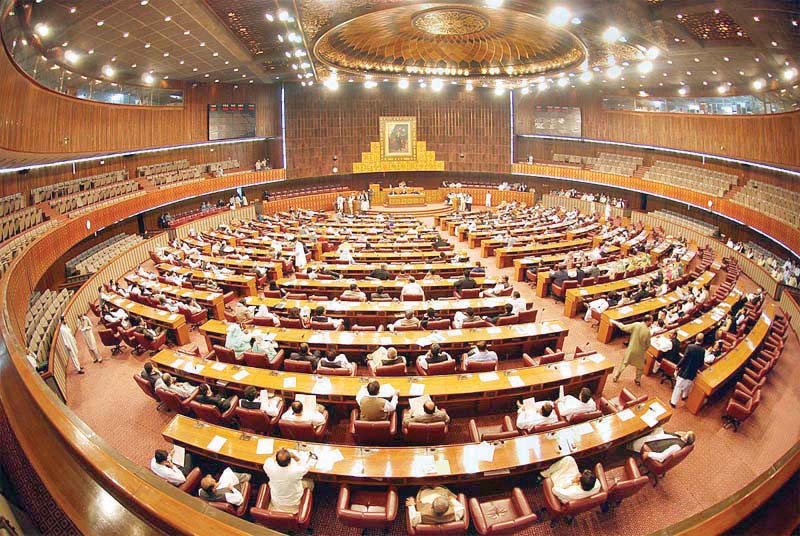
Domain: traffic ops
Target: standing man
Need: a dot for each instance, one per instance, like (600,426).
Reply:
(637,347)
(687,370)
(70,344)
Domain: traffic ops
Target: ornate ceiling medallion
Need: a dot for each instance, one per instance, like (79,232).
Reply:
(449,21)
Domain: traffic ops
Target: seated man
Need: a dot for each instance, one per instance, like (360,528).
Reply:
(168,383)
(150,374)
(372,406)
(236,339)
(298,413)
(263,312)
(206,396)
(412,288)
(478,270)
(379,294)
(252,399)
(434,506)
(227,488)
(430,414)
(286,483)
(320,316)
(260,346)
(429,316)
(466,282)
(661,444)
(508,312)
(559,276)
(569,405)
(530,415)
(569,484)
(305,354)
(384,357)
(461,318)
(480,354)
(380,273)
(354,293)
(502,285)
(407,321)
(162,465)
(518,303)
(193,306)
(334,359)
(434,355)
(242,313)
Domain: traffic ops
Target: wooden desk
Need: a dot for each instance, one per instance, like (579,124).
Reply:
(246,284)
(489,245)
(531,338)
(687,332)
(373,313)
(449,389)
(506,256)
(396,465)
(418,270)
(364,256)
(405,199)
(576,296)
(172,321)
(717,375)
(213,301)
(627,313)
(548,261)
(333,288)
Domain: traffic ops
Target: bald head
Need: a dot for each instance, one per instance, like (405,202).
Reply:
(440,506)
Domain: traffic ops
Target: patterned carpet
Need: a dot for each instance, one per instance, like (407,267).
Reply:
(108,400)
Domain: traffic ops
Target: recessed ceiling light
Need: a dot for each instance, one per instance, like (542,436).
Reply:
(167,18)
(586,77)
(133,65)
(283,15)
(71,56)
(653,52)
(559,16)
(645,67)
(144,2)
(194,70)
(726,58)
(697,60)
(269,17)
(100,22)
(614,71)
(126,34)
(705,83)
(790,74)
(202,43)
(42,30)
(280,38)
(722,89)
(774,43)
(757,18)
(683,91)
(206,75)
(90,51)
(187,32)
(215,54)
(741,73)
(73,9)
(759,84)
(216,80)
(716,11)
(714,72)
(669,62)
(403,83)
(689,73)
(147,78)
(612,34)
(147,45)
(108,71)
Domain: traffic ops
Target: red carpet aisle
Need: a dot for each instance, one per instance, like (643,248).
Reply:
(109,401)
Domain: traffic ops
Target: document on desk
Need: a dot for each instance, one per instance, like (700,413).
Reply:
(657,409)
(488,376)
(239,376)
(219,366)
(597,358)
(327,458)
(516,381)
(494,330)
(626,414)
(625,310)
(290,382)
(650,419)
(442,467)
(386,341)
(416,389)
(322,386)
(177,363)
(386,391)
(215,444)
(582,429)
(265,445)
(423,465)
(484,452)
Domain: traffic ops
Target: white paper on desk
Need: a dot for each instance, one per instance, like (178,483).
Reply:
(322,386)
(662,300)
(416,389)
(634,281)
(626,309)
(565,441)
(596,358)
(172,317)
(657,409)
(215,444)
(515,381)
(178,456)
(423,342)
(423,464)
(239,376)
(265,445)
(494,330)
(650,419)
(318,338)
(269,336)
(488,376)
(625,414)
(386,391)
(484,452)
(219,366)
(437,337)
(385,341)
(177,363)
(308,401)
(326,458)
(161,313)
(346,337)
(290,382)
(582,429)
(442,466)
(583,292)
(415,404)
(682,333)
(192,369)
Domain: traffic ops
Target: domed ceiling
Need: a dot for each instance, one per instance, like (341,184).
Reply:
(451,40)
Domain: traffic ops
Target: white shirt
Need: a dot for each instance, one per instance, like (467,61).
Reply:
(527,418)
(68,339)
(518,305)
(173,475)
(316,418)
(569,405)
(286,484)
(412,289)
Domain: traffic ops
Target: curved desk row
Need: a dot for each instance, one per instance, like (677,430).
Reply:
(422,465)
(433,288)
(245,284)
(590,371)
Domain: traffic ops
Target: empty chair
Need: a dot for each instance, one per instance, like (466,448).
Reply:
(111,339)
(294,365)
(492,432)
(444,323)
(502,514)
(740,407)
(226,355)
(624,482)
(368,508)
(282,521)
(624,400)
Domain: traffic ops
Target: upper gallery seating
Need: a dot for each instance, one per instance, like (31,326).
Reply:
(94,195)
(779,203)
(71,265)
(19,222)
(707,181)
(94,261)
(42,320)
(162,167)
(64,188)
(215,167)
(180,171)
(11,203)
(10,249)
(575,159)
(700,226)
(178,175)
(618,164)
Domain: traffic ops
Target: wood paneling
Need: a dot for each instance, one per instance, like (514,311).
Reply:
(765,138)
(453,122)
(34,119)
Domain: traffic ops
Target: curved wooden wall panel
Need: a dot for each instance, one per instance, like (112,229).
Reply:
(36,120)
(763,138)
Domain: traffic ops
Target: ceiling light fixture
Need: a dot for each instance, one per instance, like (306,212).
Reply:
(614,71)
(723,88)
(283,15)
(469,87)
(108,71)
(790,74)
(403,83)
(586,77)
(563,82)
(645,67)
(526,90)
(147,78)
(612,34)
(437,84)
(72,56)
(42,30)
(759,84)
(559,16)
(683,91)
(653,52)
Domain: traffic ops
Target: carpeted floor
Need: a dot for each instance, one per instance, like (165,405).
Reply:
(109,401)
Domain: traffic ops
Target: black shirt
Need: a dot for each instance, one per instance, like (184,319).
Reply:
(465,283)
(150,377)
(691,362)
(559,277)
(383,275)
(249,405)
(673,354)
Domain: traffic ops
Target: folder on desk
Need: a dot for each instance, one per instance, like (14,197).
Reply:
(216,443)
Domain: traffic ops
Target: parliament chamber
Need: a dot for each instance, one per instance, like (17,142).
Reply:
(476,267)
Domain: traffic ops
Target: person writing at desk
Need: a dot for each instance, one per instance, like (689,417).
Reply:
(434,506)
(286,472)
(297,412)
(251,399)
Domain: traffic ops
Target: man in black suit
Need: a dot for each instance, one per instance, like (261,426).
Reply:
(465,282)
(150,374)
(304,354)
(380,273)
(559,276)
(688,367)
(248,400)
(206,396)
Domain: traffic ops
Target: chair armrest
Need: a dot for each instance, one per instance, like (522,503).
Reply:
(508,424)
(343,503)
(392,503)
(600,473)
(276,362)
(477,516)
(553,502)
(229,412)
(281,408)
(474,435)
(262,501)
(529,361)
(353,418)
(605,406)
(305,507)
(520,501)
(393,424)
(632,469)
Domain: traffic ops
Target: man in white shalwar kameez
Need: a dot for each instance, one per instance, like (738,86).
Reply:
(299,255)
(70,344)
